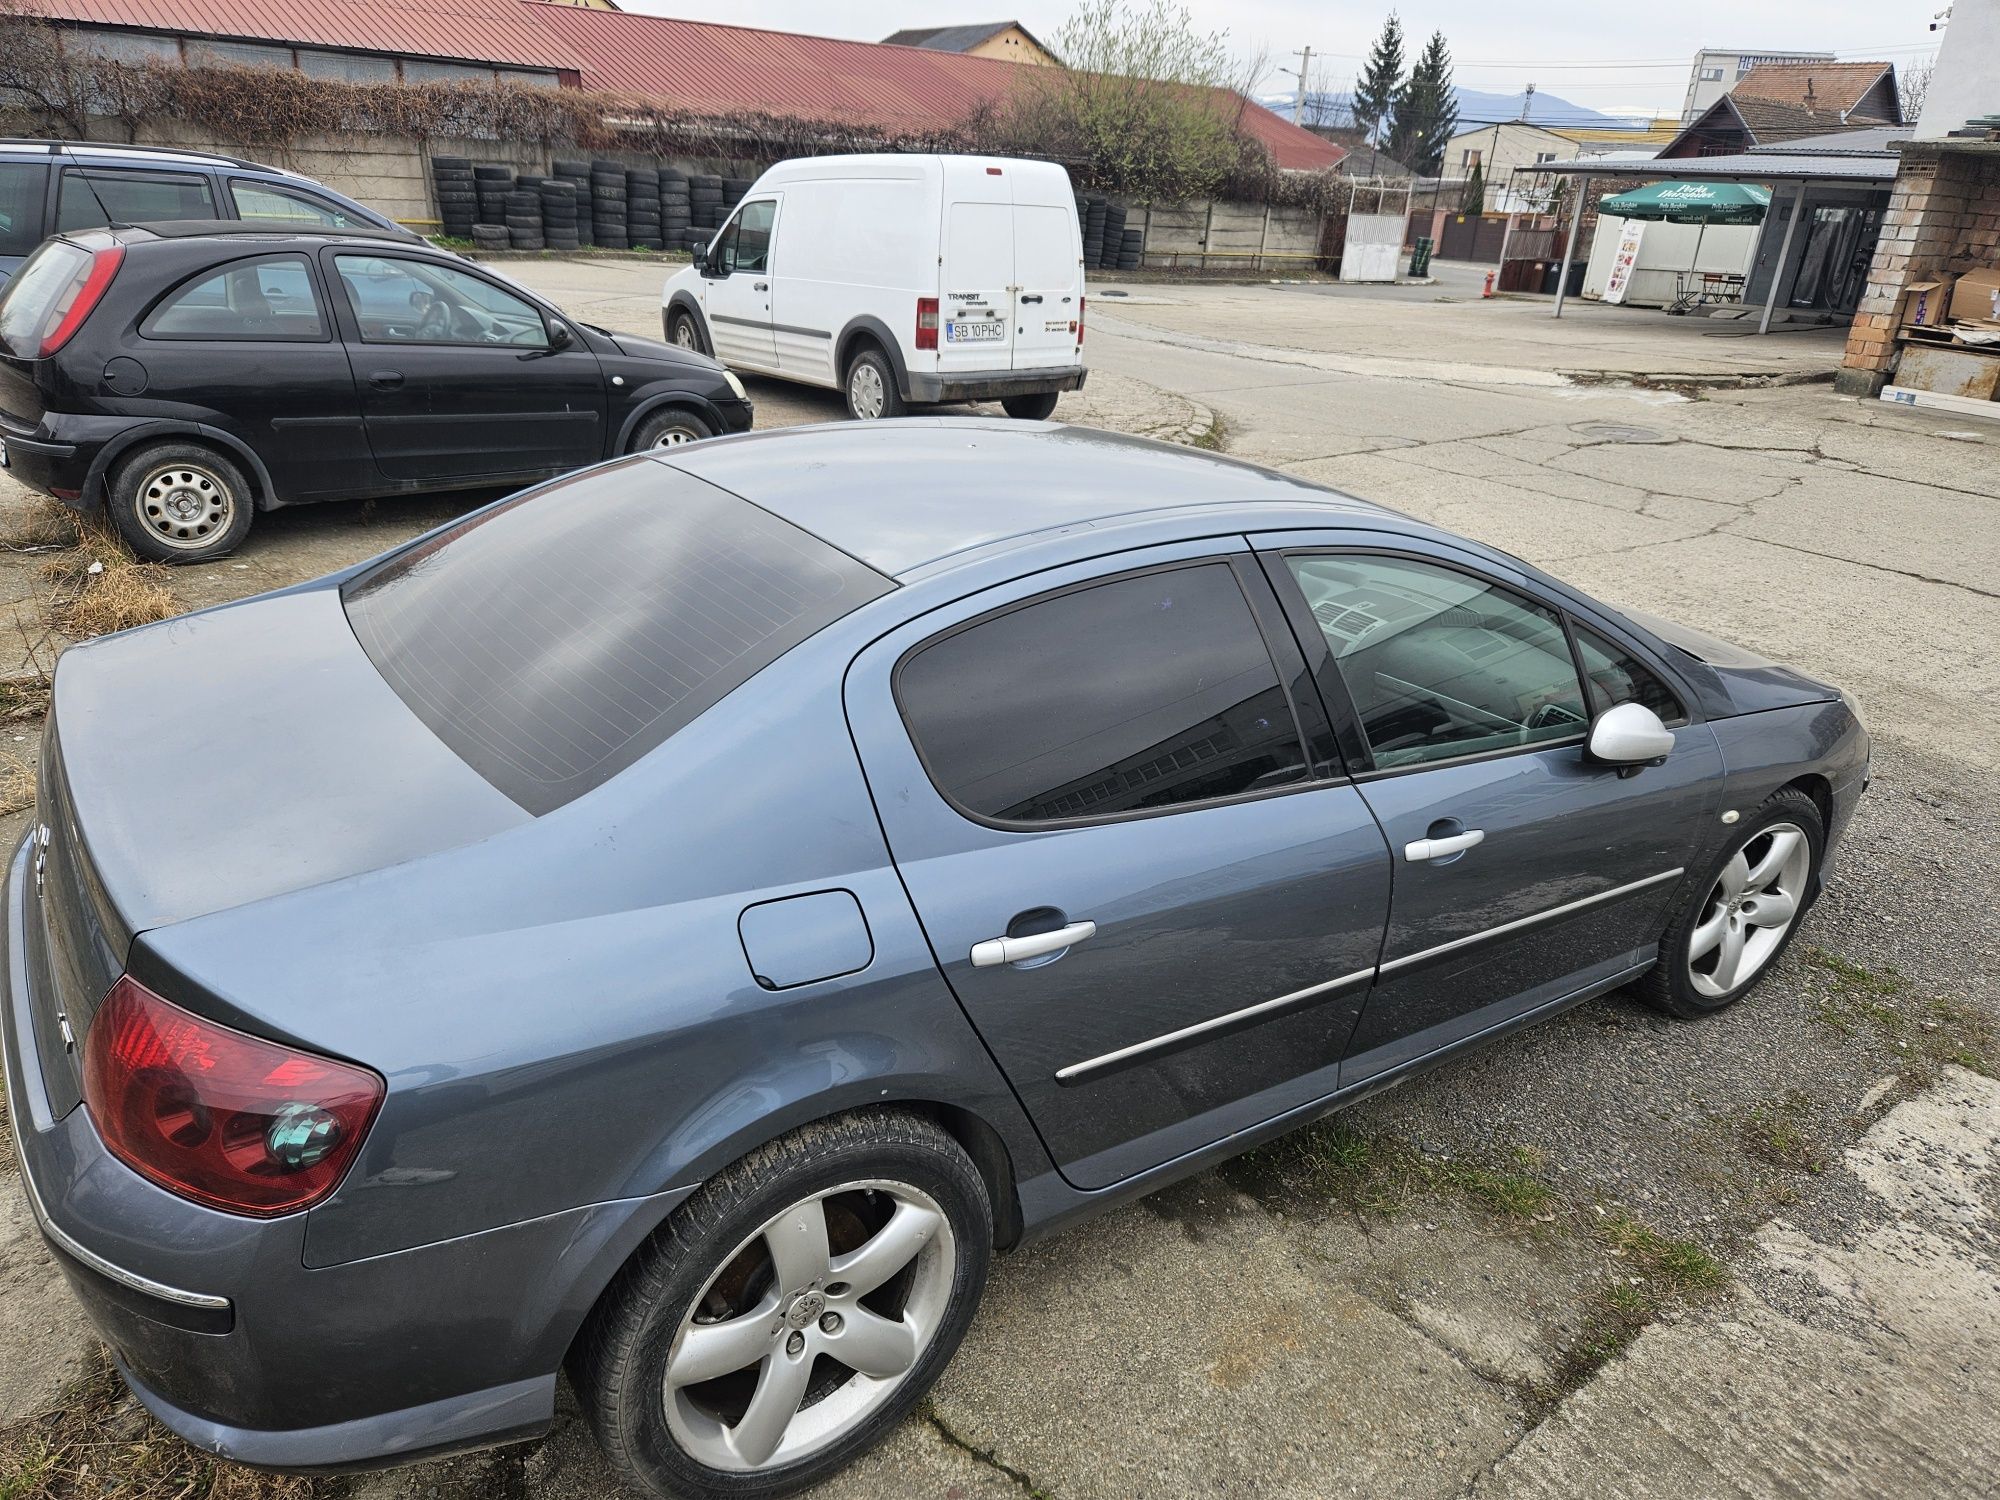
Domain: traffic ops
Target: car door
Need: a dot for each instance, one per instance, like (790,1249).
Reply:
(1160,913)
(736,287)
(460,377)
(250,344)
(1524,871)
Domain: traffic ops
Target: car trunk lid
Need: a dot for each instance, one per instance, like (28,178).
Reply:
(171,790)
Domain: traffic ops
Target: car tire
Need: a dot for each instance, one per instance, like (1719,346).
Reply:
(870,386)
(684,333)
(180,503)
(1768,870)
(893,1194)
(669,429)
(1036,408)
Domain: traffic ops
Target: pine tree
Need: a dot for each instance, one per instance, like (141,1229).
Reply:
(1381,80)
(1426,111)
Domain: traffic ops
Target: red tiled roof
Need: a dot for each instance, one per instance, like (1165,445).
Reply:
(690,64)
(493,31)
(1827,88)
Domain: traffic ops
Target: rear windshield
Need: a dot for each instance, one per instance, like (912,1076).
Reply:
(31,297)
(553,640)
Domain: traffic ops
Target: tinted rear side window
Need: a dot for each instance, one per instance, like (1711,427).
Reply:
(1146,692)
(114,195)
(23,186)
(554,640)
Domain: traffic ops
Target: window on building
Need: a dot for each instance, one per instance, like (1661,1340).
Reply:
(1711,75)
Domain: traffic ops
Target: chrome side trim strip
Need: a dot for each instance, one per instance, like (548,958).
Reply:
(1215,1023)
(98,1263)
(1553,913)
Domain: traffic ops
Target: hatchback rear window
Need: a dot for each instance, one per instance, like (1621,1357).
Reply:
(28,306)
(553,640)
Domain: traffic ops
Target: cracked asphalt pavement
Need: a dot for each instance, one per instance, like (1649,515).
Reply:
(1612,1255)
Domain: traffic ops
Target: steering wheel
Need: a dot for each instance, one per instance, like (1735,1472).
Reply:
(436,320)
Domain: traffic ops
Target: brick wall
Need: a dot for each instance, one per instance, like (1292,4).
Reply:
(1943,215)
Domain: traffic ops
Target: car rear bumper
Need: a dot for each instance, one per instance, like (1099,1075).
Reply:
(236,1344)
(992,385)
(53,462)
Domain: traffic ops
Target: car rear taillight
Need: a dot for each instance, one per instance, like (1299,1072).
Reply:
(927,319)
(1081,304)
(232,1121)
(79,299)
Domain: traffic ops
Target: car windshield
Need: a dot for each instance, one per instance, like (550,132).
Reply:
(554,639)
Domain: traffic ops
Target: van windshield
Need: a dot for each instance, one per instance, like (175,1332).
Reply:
(554,639)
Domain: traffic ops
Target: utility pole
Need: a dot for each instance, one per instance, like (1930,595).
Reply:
(1527,102)
(1305,78)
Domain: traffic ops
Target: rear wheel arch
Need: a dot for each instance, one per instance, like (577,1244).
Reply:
(97,483)
(682,305)
(859,334)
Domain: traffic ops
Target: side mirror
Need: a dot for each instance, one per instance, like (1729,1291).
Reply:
(1629,735)
(559,335)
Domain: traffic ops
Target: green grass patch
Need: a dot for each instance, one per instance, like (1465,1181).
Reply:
(1776,1133)
(1333,1164)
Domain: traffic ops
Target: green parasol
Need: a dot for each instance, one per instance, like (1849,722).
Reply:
(1692,203)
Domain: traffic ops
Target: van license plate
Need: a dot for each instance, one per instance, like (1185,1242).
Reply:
(984,331)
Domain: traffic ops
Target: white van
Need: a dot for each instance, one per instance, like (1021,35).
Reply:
(896,279)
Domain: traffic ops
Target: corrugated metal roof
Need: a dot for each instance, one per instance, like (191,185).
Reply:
(1876,140)
(711,69)
(1776,165)
(493,31)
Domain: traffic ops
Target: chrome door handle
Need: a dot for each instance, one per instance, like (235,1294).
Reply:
(1011,950)
(1419,850)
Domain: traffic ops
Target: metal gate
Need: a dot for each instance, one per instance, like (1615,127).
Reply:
(1472,237)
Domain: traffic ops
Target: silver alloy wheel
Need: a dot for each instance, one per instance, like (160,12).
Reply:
(185,505)
(1752,906)
(684,333)
(865,394)
(811,1321)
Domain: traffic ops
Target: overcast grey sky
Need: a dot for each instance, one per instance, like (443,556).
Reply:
(1612,55)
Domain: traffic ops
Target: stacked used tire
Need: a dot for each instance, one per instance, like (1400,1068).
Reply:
(1107,244)
(1132,250)
(607,205)
(457,195)
(705,201)
(524,215)
(1093,231)
(642,207)
(676,210)
(559,214)
(490,186)
(577,175)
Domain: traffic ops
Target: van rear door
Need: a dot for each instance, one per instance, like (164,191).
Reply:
(976,288)
(1048,267)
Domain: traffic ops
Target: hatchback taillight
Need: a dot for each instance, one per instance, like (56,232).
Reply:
(79,299)
(927,319)
(231,1121)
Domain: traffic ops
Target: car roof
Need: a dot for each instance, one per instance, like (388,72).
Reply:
(900,495)
(273,229)
(101,153)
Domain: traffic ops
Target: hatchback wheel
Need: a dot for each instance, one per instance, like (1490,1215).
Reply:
(871,387)
(669,429)
(180,503)
(1739,917)
(790,1313)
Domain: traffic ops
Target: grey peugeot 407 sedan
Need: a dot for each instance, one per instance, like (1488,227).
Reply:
(675,924)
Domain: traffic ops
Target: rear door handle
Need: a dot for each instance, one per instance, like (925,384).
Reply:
(1419,850)
(1031,296)
(1011,950)
(386,380)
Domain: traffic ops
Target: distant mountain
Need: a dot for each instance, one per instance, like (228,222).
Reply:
(1476,107)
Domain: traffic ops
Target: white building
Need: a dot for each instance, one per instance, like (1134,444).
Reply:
(1716,71)
(1966,82)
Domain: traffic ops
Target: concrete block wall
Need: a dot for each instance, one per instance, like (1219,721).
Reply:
(1944,214)
(1222,229)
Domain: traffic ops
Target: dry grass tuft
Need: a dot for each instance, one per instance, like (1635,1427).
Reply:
(100,586)
(17,783)
(99,1444)
(42,524)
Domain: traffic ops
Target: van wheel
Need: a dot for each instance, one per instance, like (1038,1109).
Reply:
(1036,408)
(790,1313)
(685,334)
(180,503)
(871,387)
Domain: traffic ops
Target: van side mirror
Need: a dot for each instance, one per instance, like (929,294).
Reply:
(1629,735)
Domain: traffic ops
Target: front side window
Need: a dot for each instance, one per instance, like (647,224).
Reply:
(269,298)
(746,244)
(1151,691)
(402,301)
(261,200)
(111,195)
(1614,675)
(1440,663)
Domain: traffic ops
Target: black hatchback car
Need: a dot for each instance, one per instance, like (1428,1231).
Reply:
(187,375)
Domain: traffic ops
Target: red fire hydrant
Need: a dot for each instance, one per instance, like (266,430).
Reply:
(1489,283)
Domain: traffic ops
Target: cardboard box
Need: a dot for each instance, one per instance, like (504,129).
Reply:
(1977,295)
(1925,304)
